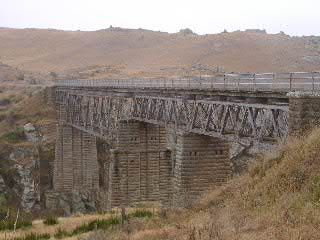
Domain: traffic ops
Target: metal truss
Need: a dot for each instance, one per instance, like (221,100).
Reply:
(214,118)
(101,115)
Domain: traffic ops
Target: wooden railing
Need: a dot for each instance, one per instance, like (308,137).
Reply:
(294,81)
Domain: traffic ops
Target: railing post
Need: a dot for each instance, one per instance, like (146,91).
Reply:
(312,74)
(189,82)
(254,82)
(291,81)
(273,80)
(211,82)
(171,82)
(224,81)
(238,83)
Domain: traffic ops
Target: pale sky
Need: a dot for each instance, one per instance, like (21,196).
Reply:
(294,17)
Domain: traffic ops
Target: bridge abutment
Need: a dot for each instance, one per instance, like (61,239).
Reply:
(304,112)
(201,163)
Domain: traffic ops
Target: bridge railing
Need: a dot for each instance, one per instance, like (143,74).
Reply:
(294,81)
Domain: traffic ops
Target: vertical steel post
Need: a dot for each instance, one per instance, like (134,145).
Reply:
(312,74)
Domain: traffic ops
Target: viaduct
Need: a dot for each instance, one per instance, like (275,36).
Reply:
(169,140)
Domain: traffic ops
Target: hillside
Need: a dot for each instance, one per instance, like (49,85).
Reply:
(124,51)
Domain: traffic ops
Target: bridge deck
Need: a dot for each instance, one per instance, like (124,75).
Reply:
(272,82)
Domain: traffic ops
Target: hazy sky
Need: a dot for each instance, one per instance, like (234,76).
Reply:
(294,17)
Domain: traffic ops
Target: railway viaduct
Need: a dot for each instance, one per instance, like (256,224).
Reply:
(169,140)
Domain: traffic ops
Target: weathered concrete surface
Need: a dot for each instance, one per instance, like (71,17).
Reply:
(75,170)
(140,168)
(201,163)
(304,112)
(76,165)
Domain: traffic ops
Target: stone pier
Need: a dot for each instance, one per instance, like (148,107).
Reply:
(75,170)
(201,163)
(76,165)
(304,112)
(140,168)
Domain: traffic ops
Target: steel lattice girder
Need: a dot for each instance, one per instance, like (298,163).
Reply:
(101,115)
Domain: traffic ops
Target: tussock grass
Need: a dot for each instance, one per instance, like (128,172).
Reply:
(9,224)
(51,220)
(34,236)
(140,213)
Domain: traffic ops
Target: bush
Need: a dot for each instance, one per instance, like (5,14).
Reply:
(15,136)
(51,220)
(33,236)
(20,76)
(61,233)
(53,75)
(103,224)
(9,224)
(140,213)
(315,190)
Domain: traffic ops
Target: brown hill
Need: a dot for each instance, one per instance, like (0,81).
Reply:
(142,51)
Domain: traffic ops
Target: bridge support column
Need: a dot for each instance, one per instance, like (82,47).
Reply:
(140,168)
(201,163)
(76,165)
(75,168)
(304,112)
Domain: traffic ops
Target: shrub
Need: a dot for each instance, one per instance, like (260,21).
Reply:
(103,224)
(20,76)
(140,213)
(15,136)
(33,236)
(315,190)
(99,224)
(51,220)
(9,224)
(53,75)
(61,233)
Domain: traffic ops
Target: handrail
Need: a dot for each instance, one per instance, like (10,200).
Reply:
(292,81)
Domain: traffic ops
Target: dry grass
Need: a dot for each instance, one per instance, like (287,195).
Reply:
(65,223)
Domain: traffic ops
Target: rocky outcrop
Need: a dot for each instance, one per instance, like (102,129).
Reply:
(30,195)
(3,186)
(72,202)
(24,165)
(31,134)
